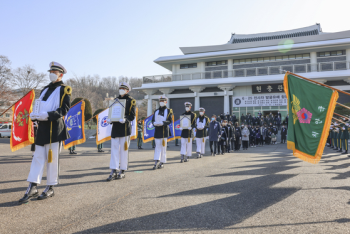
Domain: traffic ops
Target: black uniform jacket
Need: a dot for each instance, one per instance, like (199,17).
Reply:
(185,133)
(163,131)
(59,131)
(284,131)
(124,129)
(204,132)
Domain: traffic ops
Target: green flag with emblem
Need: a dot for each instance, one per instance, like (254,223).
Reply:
(310,108)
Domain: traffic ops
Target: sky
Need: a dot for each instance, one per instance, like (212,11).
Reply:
(123,38)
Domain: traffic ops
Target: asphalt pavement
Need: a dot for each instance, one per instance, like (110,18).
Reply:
(261,190)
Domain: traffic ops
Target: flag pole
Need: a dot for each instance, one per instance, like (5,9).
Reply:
(340,91)
(15,103)
(96,115)
(341,115)
(343,106)
(339,120)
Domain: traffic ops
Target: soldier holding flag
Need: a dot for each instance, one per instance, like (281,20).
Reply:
(54,102)
(120,137)
(161,120)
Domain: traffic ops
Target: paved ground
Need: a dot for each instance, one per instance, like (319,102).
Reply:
(262,190)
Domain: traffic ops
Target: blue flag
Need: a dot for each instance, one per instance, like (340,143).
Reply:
(148,129)
(177,129)
(74,121)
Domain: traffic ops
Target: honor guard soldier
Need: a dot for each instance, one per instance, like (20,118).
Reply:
(186,135)
(54,104)
(120,137)
(161,120)
(202,125)
(335,135)
(345,137)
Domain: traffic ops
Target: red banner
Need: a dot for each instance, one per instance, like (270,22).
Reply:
(22,133)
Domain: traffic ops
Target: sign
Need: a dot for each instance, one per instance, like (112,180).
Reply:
(260,100)
(268,88)
(117,111)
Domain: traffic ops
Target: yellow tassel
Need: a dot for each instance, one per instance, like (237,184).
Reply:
(188,139)
(203,139)
(163,143)
(125,145)
(49,157)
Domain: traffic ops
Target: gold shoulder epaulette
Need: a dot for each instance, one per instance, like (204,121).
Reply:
(67,91)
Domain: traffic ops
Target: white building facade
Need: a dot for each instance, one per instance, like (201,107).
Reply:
(246,74)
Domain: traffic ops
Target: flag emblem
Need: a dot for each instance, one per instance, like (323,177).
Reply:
(104,121)
(304,116)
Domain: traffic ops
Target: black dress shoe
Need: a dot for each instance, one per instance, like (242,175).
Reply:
(33,192)
(112,176)
(74,152)
(160,166)
(155,167)
(48,192)
(121,175)
(340,150)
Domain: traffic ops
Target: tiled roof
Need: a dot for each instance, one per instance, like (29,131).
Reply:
(301,32)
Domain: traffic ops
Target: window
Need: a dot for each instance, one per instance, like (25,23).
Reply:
(285,57)
(254,60)
(191,65)
(299,56)
(261,59)
(266,59)
(331,53)
(271,59)
(7,115)
(3,127)
(306,55)
(278,58)
(236,61)
(241,61)
(292,56)
(215,63)
(248,60)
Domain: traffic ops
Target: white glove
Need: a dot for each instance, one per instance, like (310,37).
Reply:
(240,138)
(109,121)
(189,128)
(156,124)
(160,124)
(33,116)
(122,121)
(43,116)
(180,129)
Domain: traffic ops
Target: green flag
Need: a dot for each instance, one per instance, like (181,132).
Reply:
(310,108)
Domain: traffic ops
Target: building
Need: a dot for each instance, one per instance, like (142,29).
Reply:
(245,75)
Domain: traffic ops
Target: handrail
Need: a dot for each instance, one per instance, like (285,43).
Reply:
(252,71)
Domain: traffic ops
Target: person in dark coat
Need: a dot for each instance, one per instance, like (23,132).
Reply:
(139,134)
(287,119)
(186,135)
(231,137)
(223,138)
(202,125)
(283,134)
(214,133)
(161,120)
(120,136)
(234,119)
(238,137)
(54,104)
(242,119)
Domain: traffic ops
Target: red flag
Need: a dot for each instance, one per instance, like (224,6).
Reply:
(21,132)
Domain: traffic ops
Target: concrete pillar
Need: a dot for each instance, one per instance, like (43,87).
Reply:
(149,93)
(347,58)
(226,88)
(229,67)
(196,90)
(313,60)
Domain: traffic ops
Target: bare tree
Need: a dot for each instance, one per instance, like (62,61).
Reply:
(5,75)
(26,78)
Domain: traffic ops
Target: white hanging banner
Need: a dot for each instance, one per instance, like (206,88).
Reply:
(260,100)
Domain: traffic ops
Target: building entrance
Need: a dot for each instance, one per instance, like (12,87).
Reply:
(268,113)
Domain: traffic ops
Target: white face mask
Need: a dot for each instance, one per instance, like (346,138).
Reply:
(53,77)
(201,113)
(122,92)
(162,104)
(187,109)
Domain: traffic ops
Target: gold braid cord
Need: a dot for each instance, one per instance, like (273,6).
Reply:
(133,103)
(67,91)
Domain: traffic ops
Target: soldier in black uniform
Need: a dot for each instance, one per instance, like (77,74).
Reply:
(161,120)
(120,137)
(202,125)
(55,103)
(186,135)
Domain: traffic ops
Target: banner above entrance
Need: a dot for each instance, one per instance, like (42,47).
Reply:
(267,88)
(260,100)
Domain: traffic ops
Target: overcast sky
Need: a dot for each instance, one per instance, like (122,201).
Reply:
(122,38)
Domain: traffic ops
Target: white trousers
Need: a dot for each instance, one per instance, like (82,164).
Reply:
(119,156)
(39,161)
(186,147)
(200,145)
(160,150)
